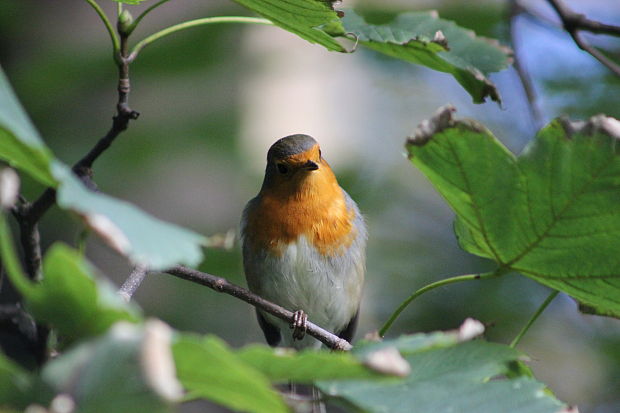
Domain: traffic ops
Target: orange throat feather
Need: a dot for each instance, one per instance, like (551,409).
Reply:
(314,207)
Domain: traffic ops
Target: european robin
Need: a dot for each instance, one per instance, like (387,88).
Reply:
(304,243)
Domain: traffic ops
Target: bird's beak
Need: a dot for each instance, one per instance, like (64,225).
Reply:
(311,166)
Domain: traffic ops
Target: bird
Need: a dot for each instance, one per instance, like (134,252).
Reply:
(304,245)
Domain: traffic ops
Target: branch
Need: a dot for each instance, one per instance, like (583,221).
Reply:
(132,283)
(224,286)
(575,22)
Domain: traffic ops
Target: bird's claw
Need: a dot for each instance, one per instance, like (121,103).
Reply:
(299,324)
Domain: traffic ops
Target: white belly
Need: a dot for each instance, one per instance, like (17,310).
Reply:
(327,289)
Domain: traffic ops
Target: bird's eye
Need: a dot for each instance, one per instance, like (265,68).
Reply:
(283,169)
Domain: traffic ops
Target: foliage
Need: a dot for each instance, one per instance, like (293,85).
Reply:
(425,39)
(548,214)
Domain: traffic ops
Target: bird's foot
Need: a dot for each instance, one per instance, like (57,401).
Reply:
(299,324)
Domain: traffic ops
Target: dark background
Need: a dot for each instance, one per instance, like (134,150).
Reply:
(212,100)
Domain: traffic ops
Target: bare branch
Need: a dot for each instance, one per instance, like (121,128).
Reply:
(575,22)
(607,62)
(130,286)
(223,285)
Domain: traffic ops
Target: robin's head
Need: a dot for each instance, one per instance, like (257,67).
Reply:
(293,161)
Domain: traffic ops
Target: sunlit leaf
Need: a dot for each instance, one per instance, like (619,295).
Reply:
(124,371)
(144,239)
(20,143)
(303,367)
(550,214)
(309,19)
(448,378)
(423,38)
(16,385)
(72,300)
(208,369)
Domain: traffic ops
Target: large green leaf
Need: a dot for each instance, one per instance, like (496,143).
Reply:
(311,20)
(15,385)
(208,369)
(447,378)
(130,369)
(423,38)
(20,144)
(144,239)
(551,214)
(71,300)
(303,367)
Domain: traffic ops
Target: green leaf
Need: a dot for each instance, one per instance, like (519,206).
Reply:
(208,369)
(311,20)
(550,214)
(20,143)
(144,239)
(413,37)
(128,370)
(71,300)
(15,385)
(303,367)
(448,378)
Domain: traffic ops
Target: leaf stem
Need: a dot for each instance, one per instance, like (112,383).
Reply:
(430,287)
(193,23)
(10,261)
(143,15)
(529,323)
(115,42)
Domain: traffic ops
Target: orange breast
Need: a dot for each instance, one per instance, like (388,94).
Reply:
(314,207)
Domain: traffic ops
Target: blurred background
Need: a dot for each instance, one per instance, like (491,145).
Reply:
(213,99)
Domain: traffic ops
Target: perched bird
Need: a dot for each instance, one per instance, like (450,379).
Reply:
(304,243)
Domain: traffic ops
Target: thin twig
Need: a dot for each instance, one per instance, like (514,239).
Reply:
(573,23)
(577,21)
(130,286)
(521,69)
(607,62)
(223,285)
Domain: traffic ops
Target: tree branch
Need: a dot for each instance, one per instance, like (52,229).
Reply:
(130,286)
(574,22)
(224,286)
